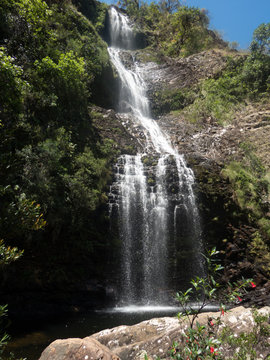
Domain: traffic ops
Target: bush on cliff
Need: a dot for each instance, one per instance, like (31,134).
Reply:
(245,79)
(173,29)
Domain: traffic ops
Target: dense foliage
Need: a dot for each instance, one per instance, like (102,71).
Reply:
(173,29)
(54,165)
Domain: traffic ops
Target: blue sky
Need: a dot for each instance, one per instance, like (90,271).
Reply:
(234,19)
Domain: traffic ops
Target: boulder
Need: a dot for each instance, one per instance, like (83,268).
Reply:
(152,337)
(75,349)
(155,337)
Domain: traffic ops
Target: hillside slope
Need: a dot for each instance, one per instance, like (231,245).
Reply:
(223,129)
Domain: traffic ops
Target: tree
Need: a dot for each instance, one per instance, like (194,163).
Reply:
(189,26)
(11,88)
(131,6)
(234,45)
(27,214)
(256,70)
(62,90)
(261,39)
(169,6)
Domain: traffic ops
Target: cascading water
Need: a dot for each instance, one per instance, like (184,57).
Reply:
(155,202)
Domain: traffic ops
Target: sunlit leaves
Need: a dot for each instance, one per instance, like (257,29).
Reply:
(35,12)
(174,29)
(11,85)
(69,72)
(8,254)
(66,81)
(21,214)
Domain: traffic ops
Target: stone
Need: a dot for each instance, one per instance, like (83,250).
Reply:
(77,349)
(151,337)
(155,337)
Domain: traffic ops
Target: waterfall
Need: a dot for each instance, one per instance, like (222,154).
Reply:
(155,201)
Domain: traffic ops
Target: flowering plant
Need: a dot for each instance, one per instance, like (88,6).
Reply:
(201,340)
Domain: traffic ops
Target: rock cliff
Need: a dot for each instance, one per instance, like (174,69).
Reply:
(230,222)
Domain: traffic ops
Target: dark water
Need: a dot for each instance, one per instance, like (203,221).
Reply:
(30,344)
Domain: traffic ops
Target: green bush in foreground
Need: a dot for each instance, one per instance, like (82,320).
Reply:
(199,341)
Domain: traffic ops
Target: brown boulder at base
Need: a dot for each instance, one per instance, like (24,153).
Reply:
(154,337)
(75,349)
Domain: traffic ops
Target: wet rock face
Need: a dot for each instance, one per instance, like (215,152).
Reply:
(111,125)
(127,59)
(185,72)
(165,81)
(180,221)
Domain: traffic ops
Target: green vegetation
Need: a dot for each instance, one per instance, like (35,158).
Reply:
(248,345)
(251,187)
(210,341)
(171,28)
(251,190)
(217,340)
(245,79)
(54,164)
(167,100)
(7,256)
(261,40)
(201,340)
(259,248)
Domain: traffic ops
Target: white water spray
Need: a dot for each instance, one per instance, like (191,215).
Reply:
(144,202)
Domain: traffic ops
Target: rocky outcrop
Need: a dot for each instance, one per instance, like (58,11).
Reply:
(185,72)
(174,79)
(155,337)
(152,337)
(213,142)
(113,126)
(77,349)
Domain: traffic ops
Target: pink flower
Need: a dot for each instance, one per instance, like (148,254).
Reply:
(211,323)
(212,349)
(238,297)
(252,284)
